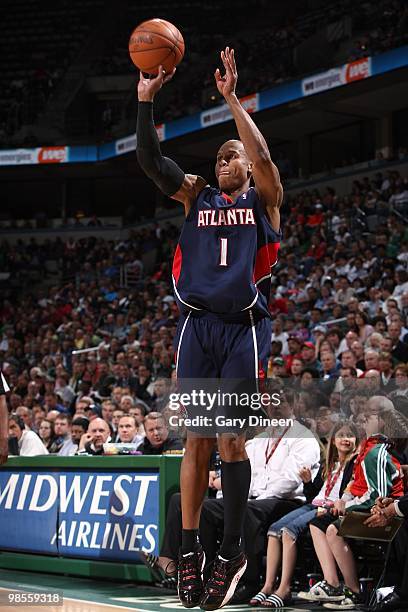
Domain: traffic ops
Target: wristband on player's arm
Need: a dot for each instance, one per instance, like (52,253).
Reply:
(164,172)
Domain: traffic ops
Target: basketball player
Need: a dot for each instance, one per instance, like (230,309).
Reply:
(221,276)
(4,388)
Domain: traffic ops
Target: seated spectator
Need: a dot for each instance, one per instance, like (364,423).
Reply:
(92,441)
(46,432)
(371,360)
(309,356)
(26,414)
(157,440)
(325,419)
(62,426)
(384,511)
(139,412)
(320,493)
(376,473)
(29,444)
(108,408)
(78,428)
(51,402)
(386,370)
(364,329)
(399,348)
(401,381)
(117,414)
(160,394)
(128,431)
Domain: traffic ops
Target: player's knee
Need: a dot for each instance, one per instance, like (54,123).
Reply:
(232,448)
(199,447)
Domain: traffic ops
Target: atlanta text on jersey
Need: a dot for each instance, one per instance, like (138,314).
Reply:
(235,216)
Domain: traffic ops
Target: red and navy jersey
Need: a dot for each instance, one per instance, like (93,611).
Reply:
(224,256)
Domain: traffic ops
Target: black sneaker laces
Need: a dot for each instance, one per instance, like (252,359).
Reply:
(218,575)
(189,570)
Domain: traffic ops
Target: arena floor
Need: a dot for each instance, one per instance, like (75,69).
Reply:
(85,595)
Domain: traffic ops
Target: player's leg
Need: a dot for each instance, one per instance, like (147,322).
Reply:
(246,351)
(192,362)
(246,358)
(193,485)
(236,478)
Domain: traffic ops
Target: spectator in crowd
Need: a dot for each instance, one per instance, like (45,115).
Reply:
(26,414)
(382,514)
(326,417)
(128,431)
(92,441)
(29,444)
(107,411)
(401,381)
(79,427)
(157,440)
(116,416)
(62,426)
(399,348)
(46,432)
(138,411)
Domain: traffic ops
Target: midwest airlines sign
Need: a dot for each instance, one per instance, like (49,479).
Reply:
(110,515)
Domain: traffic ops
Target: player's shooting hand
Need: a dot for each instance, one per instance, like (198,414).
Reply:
(226,84)
(147,88)
(3,450)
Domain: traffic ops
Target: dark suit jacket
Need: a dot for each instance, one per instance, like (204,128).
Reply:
(403,505)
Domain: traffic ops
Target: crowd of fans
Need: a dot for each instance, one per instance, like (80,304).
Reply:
(91,363)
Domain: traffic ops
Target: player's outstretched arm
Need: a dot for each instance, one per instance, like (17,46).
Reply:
(265,173)
(164,172)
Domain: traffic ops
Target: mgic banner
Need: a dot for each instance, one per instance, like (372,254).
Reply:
(103,515)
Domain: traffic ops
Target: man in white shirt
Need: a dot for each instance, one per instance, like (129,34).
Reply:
(279,335)
(29,443)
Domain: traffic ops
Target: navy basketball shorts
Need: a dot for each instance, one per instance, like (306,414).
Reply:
(223,362)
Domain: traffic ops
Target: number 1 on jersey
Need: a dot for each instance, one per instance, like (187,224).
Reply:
(224,249)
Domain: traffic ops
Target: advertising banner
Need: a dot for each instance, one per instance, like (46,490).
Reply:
(40,155)
(342,75)
(28,511)
(124,145)
(219,114)
(104,515)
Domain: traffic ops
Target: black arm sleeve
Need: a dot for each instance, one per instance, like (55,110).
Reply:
(164,172)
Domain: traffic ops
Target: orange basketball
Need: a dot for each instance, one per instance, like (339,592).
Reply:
(156,43)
